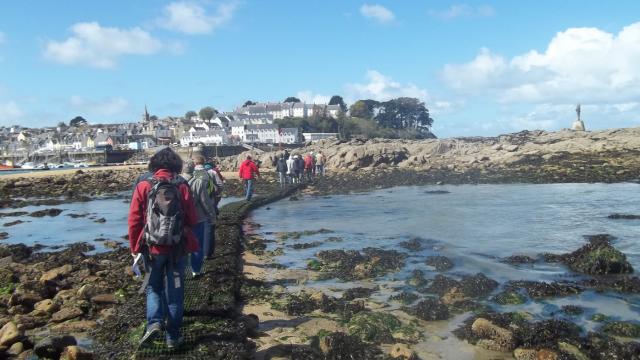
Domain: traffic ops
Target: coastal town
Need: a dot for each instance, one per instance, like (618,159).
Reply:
(250,124)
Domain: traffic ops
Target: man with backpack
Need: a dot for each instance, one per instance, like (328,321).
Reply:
(281,168)
(161,215)
(203,188)
(248,172)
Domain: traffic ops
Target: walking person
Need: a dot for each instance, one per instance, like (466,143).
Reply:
(299,167)
(216,175)
(291,171)
(203,189)
(320,160)
(281,168)
(161,215)
(309,166)
(248,172)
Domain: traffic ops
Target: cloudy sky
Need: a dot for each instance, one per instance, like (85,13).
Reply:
(482,67)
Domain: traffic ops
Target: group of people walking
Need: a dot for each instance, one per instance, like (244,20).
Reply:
(294,168)
(171,223)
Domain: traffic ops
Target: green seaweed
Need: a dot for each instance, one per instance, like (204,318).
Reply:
(622,328)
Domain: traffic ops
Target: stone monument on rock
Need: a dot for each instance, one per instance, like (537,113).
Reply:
(578,125)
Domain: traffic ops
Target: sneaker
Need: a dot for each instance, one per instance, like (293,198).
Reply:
(152,332)
(172,344)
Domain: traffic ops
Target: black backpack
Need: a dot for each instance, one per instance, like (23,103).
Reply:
(165,215)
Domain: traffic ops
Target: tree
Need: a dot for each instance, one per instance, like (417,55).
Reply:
(249,103)
(62,125)
(338,100)
(77,121)
(404,113)
(292,99)
(189,114)
(364,109)
(207,113)
(153,118)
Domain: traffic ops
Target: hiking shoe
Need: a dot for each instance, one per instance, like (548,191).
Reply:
(152,332)
(172,344)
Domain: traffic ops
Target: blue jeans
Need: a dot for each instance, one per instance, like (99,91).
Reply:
(165,294)
(202,231)
(248,186)
(283,179)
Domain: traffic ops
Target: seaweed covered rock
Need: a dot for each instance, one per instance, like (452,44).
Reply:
(472,286)
(541,289)
(598,257)
(493,337)
(440,263)
(622,328)
(417,279)
(358,292)
(351,264)
(509,298)
(339,346)
(404,297)
(376,327)
(429,309)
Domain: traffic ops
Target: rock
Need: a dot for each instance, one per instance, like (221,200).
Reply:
(9,334)
(22,184)
(525,354)
(402,351)
(546,354)
(55,274)
(4,235)
(27,299)
(492,336)
(47,305)
(75,326)
(46,212)
(16,349)
(337,345)
(453,296)
(509,298)
(598,257)
(376,327)
(431,309)
(65,295)
(52,346)
(622,328)
(74,352)
(66,314)
(100,221)
(104,299)
(251,322)
(573,350)
(510,148)
(441,263)
(497,147)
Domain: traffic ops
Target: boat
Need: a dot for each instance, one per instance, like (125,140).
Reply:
(6,167)
(28,166)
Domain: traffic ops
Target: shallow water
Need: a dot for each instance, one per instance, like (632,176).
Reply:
(63,230)
(473,225)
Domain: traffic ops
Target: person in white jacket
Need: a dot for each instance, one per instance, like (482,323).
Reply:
(290,169)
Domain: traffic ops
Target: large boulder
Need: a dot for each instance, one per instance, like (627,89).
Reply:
(9,334)
(493,337)
(598,257)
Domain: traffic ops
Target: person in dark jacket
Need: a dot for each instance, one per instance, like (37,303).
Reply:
(299,167)
(281,168)
(165,289)
(203,189)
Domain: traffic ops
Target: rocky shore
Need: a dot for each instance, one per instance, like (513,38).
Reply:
(61,304)
(528,157)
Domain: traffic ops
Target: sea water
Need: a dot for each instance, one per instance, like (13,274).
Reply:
(476,226)
(88,225)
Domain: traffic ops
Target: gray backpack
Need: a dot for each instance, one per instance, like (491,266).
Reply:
(164,213)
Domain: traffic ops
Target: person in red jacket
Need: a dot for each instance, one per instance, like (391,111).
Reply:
(309,166)
(248,172)
(165,264)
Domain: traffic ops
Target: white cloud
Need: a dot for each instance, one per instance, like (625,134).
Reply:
(97,46)
(464,10)
(378,13)
(307,96)
(586,65)
(104,107)
(10,111)
(191,18)
(382,88)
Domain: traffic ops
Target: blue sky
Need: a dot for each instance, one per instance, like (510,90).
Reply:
(482,67)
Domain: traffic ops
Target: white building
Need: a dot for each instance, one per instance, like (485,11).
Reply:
(284,110)
(211,137)
(261,133)
(288,136)
(313,137)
